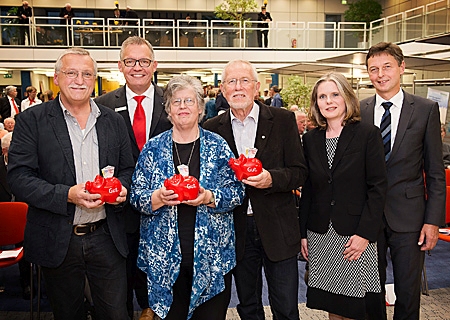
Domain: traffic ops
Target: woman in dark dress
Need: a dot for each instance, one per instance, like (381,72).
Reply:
(342,202)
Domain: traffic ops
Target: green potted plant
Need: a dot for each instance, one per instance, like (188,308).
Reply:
(363,11)
(12,32)
(297,92)
(235,10)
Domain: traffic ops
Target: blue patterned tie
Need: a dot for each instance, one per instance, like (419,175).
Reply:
(385,128)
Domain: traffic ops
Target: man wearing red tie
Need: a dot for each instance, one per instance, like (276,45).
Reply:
(31,100)
(141,105)
(9,105)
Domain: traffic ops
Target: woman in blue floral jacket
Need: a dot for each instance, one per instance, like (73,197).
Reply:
(187,249)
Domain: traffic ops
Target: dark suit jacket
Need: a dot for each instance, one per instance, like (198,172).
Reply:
(417,149)
(5,107)
(117,100)
(41,171)
(352,193)
(5,191)
(281,153)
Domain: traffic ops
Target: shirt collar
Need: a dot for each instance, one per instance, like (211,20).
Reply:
(254,114)
(397,100)
(148,93)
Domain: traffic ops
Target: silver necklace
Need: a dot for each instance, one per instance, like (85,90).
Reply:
(190,156)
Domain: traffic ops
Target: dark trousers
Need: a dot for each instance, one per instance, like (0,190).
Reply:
(136,278)
(213,309)
(407,263)
(23,32)
(94,256)
(263,34)
(281,276)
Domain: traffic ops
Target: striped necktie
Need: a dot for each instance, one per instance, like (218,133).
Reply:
(385,127)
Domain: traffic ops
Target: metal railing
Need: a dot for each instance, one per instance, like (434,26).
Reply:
(424,21)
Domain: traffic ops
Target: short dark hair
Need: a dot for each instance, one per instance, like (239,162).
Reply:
(275,88)
(388,48)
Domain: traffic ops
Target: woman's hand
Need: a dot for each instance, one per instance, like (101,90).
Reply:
(204,197)
(164,197)
(304,248)
(355,247)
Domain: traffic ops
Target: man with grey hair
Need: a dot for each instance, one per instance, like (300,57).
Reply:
(10,104)
(140,103)
(267,228)
(71,233)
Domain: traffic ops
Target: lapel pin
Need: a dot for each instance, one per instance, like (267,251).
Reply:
(263,137)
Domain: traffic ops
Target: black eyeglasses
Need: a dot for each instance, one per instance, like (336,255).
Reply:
(144,62)
(72,74)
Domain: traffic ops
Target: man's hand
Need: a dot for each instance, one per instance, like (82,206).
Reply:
(429,236)
(261,181)
(79,196)
(122,196)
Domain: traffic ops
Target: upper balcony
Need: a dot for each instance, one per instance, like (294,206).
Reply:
(189,44)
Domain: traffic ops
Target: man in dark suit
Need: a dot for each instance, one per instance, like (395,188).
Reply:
(5,191)
(71,233)
(137,63)
(9,105)
(24,13)
(263,32)
(415,201)
(267,228)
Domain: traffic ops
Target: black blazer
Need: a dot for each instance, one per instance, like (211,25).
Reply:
(352,193)
(417,149)
(41,171)
(5,191)
(5,107)
(281,153)
(117,101)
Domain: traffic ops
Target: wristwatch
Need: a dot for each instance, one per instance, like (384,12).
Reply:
(212,199)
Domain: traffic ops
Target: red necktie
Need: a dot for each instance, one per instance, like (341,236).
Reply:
(139,126)
(15,107)
(31,102)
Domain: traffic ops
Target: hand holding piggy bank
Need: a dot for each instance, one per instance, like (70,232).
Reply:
(245,167)
(186,188)
(108,188)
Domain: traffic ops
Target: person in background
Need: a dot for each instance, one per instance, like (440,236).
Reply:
(72,234)
(210,106)
(49,94)
(221,103)
(276,97)
(267,227)
(266,95)
(263,30)
(32,100)
(5,191)
(294,108)
(24,13)
(194,237)
(138,64)
(10,104)
(445,147)
(415,202)
(9,124)
(300,118)
(42,36)
(342,202)
(67,13)
(132,24)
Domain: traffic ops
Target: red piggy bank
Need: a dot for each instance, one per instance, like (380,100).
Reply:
(245,167)
(185,187)
(109,188)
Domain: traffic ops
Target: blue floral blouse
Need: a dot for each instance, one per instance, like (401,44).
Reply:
(214,242)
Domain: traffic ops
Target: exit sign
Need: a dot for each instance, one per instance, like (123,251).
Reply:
(7,76)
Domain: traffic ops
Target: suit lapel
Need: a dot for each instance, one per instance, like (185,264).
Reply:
(265,124)
(319,145)
(59,126)
(102,136)
(367,111)
(405,117)
(158,109)
(346,136)
(226,131)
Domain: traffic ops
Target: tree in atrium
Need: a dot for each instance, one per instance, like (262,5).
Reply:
(297,92)
(363,11)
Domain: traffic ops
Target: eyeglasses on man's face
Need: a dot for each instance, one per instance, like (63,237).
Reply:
(189,102)
(245,82)
(72,74)
(143,62)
